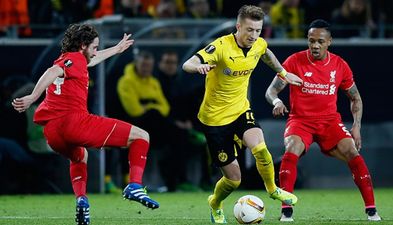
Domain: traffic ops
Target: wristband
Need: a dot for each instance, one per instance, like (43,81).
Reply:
(283,73)
(275,101)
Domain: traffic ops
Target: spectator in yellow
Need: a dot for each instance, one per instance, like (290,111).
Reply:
(287,18)
(139,91)
(143,99)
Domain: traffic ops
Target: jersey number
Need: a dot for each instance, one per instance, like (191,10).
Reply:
(58,82)
(250,117)
(344,129)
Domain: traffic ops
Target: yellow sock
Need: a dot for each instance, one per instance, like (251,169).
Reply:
(223,188)
(265,166)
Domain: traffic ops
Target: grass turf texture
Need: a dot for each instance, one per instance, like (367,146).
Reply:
(328,206)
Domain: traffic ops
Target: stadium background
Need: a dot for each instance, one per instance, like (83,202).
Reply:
(369,59)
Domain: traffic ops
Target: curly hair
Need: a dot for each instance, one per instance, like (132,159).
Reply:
(77,35)
(251,12)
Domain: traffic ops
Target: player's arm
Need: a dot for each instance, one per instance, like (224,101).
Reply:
(357,112)
(123,44)
(270,59)
(50,75)
(271,96)
(195,65)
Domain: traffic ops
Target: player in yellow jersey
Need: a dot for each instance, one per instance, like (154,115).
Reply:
(225,111)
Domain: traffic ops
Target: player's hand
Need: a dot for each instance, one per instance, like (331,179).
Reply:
(21,104)
(124,43)
(279,109)
(293,79)
(355,131)
(205,68)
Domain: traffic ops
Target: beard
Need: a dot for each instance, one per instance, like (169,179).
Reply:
(87,56)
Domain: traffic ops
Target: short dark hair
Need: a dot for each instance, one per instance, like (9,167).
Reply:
(251,12)
(319,23)
(77,35)
(144,54)
(169,52)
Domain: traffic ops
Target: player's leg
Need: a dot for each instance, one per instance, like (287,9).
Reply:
(298,138)
(138,146)
(229,182)
(253,139)
(222,153)
(338,142)
(294,147)
(55,133)
(346,151)
(98,132)
(137,140)
(78,171)
(78,174)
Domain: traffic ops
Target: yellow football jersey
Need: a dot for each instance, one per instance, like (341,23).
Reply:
(226,85)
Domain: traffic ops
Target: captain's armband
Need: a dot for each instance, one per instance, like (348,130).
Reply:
(283,73)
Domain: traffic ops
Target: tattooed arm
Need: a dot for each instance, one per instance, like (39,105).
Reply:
(357,112)
(271,96)
(270,59)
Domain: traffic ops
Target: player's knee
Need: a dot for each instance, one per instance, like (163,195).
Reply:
(145,136)
(138,133)
(232,171)
(350,154)
(347,150)
(235,177)
(294,144)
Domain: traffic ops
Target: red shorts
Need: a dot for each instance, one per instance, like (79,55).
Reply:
(71,134)
(325,132)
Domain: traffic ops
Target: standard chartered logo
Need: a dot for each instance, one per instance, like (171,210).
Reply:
(319,89)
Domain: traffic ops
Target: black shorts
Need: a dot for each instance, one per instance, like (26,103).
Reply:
(225,141)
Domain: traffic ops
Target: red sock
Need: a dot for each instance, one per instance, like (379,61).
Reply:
(362,179)
(137,155)
(288,171)
(78,174)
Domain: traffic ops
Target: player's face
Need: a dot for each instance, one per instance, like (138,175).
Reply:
(248,32)
(91,50)
(168,64)
(319,40)
(145,66)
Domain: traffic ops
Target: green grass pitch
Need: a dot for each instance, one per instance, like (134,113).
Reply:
(329,206)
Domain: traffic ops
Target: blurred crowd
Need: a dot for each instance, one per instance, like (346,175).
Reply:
(284,18)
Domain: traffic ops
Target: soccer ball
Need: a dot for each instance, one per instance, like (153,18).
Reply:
(249,209)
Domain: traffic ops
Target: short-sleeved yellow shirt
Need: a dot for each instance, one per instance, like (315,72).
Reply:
(226,85)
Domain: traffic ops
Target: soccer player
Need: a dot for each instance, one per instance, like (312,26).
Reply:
(313,114)
(225,111)
(68,126)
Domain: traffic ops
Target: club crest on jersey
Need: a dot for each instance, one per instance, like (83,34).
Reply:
(210,49)
(68,63)
(333,76)
(223,157)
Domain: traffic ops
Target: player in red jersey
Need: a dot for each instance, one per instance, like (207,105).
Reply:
(68,126)
(313,115)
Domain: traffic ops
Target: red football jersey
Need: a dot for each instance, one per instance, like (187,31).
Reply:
(66,94)
(321,81)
